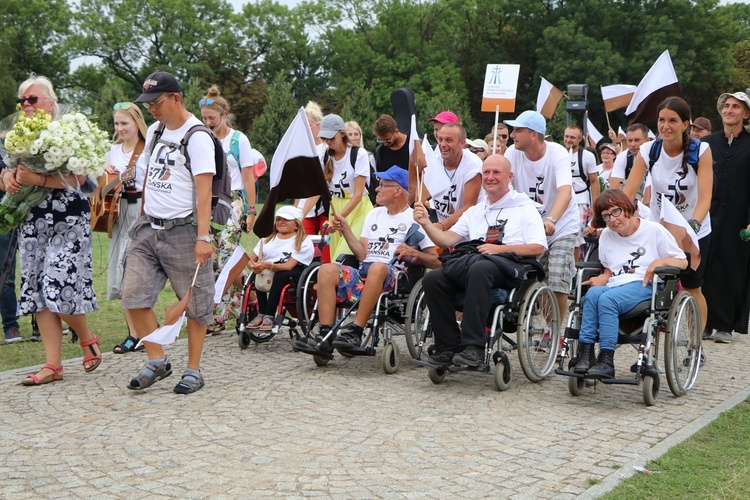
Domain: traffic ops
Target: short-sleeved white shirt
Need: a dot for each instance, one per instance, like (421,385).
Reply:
(449,197)
(514,214)
(541,179)
(581,191)
(384,233)
(681,188)
(120,160)
(246,158)
(169,187)
(342,182)
(628,257)
(604,174)
(279,251)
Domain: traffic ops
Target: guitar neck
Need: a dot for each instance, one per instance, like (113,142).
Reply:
(125,174)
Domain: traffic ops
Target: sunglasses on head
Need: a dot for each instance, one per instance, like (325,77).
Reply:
(31,100)
(121,105)
(206,102)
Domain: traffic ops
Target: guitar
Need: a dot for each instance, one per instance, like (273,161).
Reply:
(102,202)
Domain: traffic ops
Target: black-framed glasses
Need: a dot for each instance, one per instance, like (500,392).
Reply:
(614,213)
(121,105)
(388,141)
(149,105)
(31,100)
(502,136)
(206,102)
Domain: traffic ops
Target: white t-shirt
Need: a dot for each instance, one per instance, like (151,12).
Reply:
(246,158)
(384,233)
(580,189)
(515,215)
(629,257)
(447,187)
(120,161)
(279,251)
(541,179)
(342,182)
(604,174)
(680,188)
(169,187)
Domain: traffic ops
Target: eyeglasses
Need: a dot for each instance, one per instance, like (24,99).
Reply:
(206,102)
(476,151)
(388,141)
(149,105)
(121,105)
(614,213)
(382,186)
(31,100)
(502,136)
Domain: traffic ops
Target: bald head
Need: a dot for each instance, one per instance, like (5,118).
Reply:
(496,177)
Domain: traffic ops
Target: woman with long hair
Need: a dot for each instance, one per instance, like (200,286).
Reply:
(682,173)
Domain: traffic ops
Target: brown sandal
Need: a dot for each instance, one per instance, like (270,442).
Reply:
(96,353)
(57,374)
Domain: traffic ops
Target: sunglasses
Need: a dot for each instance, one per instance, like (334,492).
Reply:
(502,136)
(475,150)
(388,141)
(121,105)
(149,105)
(206,102)
(31,100)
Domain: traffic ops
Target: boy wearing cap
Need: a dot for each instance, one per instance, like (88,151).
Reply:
(726,284)
(173,237)
(542,170)
(382,239)
(700,128)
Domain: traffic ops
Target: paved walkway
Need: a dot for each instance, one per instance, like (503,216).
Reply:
(271,423)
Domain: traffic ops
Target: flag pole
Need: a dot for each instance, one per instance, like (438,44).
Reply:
(608,124)
(494,135)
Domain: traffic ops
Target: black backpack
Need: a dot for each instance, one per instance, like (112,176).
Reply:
(370,184)
(581,173)
(693,153)
(221,184)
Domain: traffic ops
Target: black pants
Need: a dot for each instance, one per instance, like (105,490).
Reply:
(440,291)
(269,302)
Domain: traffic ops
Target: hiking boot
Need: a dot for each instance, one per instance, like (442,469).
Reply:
(12,335)
(349,338)
(708,334)
(471,356)
(441,358)
(586,358)
(605,365)
(722,337)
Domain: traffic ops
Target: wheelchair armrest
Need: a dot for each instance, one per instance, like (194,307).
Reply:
(667,271)
(590,265)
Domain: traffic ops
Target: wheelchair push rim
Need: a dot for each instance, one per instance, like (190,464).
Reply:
(538,332)
(682,349)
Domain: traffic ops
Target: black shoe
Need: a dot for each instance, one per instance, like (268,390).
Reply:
(605,365)
(471,356)
(441,358)
(586,358)
(349,338)
(310,342)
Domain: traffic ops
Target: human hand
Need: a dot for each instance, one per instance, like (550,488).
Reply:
(549,227)
(203,251)
(490,249)
(420,214)
(599,280)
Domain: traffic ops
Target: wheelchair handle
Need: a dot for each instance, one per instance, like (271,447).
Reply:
(667,271)
(590,265)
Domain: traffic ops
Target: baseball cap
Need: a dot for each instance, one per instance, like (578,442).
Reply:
(530,120)
(478,144)
(158,83)
(609,146)
(740,96)
(395,173)
(289,213)
(330,125)
(445,117)
(702,123)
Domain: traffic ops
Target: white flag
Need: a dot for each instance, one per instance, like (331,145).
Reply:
(235,261)
(593,133)
(547,99)
(617,96)
(686,238)
(167,334)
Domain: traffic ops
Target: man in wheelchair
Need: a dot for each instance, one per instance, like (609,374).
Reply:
(384,232)
(630,249)
(507,225)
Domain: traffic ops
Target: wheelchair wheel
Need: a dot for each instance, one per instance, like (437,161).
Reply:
(650,389)
(576,385)
(243,339)
(320,360)
(307,297)
(682,348)
(538,332)
(502,373)
(416,324)
(437,375)
(390,358)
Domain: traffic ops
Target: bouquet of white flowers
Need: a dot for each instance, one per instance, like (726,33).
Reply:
(71,144)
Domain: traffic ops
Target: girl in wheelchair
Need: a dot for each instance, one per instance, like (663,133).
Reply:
(278,259)
(629,249)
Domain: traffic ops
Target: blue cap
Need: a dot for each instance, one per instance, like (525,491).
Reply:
(530,120)
(395,173)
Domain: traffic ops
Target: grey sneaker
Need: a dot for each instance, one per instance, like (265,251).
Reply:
(722,337)
(12,335)
(471,356)
(708,334)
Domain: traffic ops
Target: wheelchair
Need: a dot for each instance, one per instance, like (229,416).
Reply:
(387,320)
(530,311)
(670,313)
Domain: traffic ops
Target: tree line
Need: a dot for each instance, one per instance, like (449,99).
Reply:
(348,55)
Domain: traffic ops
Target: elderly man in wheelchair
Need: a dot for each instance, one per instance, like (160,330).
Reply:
(640,265)
(387,232)
(506,230)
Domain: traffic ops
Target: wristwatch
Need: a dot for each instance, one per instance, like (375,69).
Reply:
(553,219)
(207,238)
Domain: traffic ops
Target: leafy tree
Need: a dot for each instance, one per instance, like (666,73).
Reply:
(270,126)
(359,107)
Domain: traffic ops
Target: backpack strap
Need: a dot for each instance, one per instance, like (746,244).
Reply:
(353,155)
(655,153)
(154,139)
(629,160)
(183,149)
(581,173)
(234,146)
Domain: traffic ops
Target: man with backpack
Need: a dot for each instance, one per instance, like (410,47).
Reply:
(585,180)
(636,135)
(172,240)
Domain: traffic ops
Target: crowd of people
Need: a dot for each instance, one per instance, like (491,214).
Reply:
(532,200)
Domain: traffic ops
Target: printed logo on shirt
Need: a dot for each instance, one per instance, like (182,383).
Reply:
(158,176)
(537,192)
(339,188)
(285,258)
(675,192)
(631,266)
(444,205)
(382,245)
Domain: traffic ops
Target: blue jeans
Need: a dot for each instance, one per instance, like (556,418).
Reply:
(8,303)
(601,307)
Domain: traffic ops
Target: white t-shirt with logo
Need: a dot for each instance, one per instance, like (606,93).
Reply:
(447,190)
(515,215)
(246,158)
(541,179)
(169,187)
(628,257)
(604,174)
(342,182)
(681,188)
(581,191)
(120,160)
(279,251)
(384,233)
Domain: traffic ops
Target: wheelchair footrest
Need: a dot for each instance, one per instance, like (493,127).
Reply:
(427,364)
(626,381)
(357,351)
(567,373)
(482,368)
(313,351)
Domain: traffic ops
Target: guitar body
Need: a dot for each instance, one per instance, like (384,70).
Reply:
(103,209)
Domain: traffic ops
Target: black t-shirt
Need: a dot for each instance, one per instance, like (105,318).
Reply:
(387,157)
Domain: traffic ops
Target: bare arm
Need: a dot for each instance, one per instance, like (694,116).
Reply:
(248,180)
(705,185)
(428,256)
(203,250)
(309,205)
(636,174)
(357,246)
(564,195)
(524,250)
